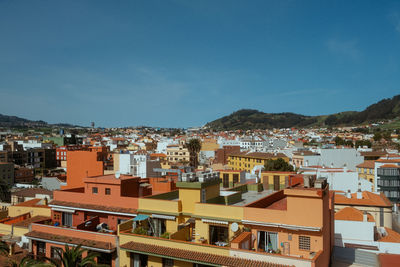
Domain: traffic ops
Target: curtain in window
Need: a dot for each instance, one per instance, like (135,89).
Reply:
(211,235)
(273,237)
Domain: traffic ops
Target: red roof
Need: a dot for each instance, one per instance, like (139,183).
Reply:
(392,236)
(352,214)
(196,256)
(390,166)
(368,199)
(369,164)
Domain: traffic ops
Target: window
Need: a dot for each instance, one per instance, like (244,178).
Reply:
(203,195)
(159,226)
(56,253)
(235,178)
(167,262)
(94,190)
(225,180)
(41,248)
(218,234)
(304,242)
(108,191)
(267,241)
(104,258)
(139,260)
(67,219)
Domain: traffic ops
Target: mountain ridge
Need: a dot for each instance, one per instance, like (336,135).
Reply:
(249,119)
(14,121)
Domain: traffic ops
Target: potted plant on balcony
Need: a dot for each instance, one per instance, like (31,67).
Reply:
(165,235)
(140,231)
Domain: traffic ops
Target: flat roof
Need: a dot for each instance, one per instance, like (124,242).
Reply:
(252,196)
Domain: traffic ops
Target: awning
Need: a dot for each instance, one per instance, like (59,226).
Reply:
(64,210)
(161,216)
(214,221)
(140,217)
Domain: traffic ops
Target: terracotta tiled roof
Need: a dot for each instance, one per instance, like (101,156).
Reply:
(258,155)
(241,237)
(304,153)
(392,236)
(373,153)
(32,203)
(162,155)
(389,166)
(92,207)
(389,160)
(31,192)
(368,199)
(369,164)
(27,222)
(196,255)
(71,240)
(352,214)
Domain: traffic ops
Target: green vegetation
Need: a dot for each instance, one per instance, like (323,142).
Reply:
(248,119)
(165,235)
(73,257)
(361,143)
(278,165)
(340,142)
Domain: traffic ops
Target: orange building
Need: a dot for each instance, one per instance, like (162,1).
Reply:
(89,215)
(84,163)
(296,221)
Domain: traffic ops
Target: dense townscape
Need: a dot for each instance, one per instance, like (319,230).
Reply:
(199,133)
(150,196)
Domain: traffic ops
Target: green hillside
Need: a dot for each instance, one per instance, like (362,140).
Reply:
(247,119)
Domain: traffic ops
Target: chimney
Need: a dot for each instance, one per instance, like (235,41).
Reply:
(348,194)
(359,194)
(306,181)
(365,216)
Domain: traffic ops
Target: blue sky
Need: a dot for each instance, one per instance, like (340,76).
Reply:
(183,63)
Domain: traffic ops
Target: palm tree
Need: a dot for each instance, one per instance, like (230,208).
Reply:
(3,248)
(194,147)
(28,261)
(72,257)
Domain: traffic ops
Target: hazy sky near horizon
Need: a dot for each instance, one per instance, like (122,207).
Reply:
(181,63)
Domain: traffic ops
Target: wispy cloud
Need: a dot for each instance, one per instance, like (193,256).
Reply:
(307,92)
(395,18)
(348,48)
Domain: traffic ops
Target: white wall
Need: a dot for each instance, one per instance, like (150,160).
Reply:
(353,230)
(361,233)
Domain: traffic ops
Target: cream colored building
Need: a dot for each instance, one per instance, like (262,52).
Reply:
(178,153)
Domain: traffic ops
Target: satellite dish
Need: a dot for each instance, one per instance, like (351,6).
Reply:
(117,175)
(234,227)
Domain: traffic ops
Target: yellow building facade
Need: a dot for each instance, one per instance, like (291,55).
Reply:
(247,161)
(274,180)
(366,170)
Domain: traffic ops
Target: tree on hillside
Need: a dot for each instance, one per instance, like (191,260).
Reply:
(194,147)
(339,141)
(387,136)
(361,143)
(278,165)
(377,136)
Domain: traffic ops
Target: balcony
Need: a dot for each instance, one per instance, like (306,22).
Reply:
(105,242)
(128,240)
